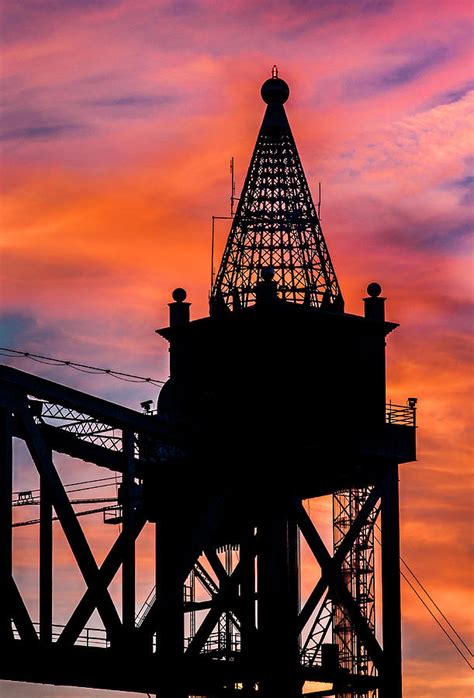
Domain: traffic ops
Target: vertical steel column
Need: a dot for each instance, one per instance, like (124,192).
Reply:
(294,569)
(277,605)
(128,565)
(46,563)
(170,596)
(391,601)
(247,592)
(6,480)
(229,628)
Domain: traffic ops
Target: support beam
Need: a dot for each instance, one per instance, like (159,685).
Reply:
(170,622)
(391,598)
(107,572)
(6,480)
(277,606)
(333,578)
(308,530)
(21,617)
(247,604)
(71,526)
(200,535)
(46,563)
(221,602)
(128,504)
(103,410)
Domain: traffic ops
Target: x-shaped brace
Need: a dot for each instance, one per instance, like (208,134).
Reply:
(331,576)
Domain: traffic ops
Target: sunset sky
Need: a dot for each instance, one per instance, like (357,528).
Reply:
(119,120)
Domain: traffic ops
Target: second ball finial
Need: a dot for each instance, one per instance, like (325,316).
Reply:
(374,289)
(179,295)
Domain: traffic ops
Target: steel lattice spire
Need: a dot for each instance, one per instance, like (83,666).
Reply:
(276,225)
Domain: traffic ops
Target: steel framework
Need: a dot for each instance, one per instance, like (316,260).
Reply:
(212,657)
(358,569)
(276,224)
(213,472)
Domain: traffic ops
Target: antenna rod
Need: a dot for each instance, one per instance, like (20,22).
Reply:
(212,251)
(319,202)
(232,187)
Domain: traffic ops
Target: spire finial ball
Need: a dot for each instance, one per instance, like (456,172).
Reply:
(275,90)
(374,289)
(179,295)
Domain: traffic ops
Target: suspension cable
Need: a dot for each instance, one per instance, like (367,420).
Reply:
(437,621)
(431,612)
(84,368)
(425,591)
(437,607)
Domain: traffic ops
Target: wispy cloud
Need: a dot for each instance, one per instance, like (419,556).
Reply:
(118,124)
(404,72)
(134,101)
(454,95)
(41,132)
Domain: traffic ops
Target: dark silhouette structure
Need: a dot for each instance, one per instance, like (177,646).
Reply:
(275,398)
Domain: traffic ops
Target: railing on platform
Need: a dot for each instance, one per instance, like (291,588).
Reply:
(89,637)
(400,414)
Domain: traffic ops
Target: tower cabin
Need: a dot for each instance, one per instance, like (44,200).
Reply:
(280,388)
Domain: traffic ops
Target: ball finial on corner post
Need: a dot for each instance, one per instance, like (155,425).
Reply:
(374,289)
(179,310)
(374,304)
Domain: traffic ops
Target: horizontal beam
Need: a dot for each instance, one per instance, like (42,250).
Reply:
(106,668)
(102,410)
(65,442)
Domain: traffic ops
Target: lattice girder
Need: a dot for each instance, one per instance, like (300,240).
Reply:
(276,225)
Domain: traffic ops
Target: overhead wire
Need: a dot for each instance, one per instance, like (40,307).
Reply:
(84,368)
(73,484)
(437,607)
(94,487)
(437,621)
(56,518)
(426,592)
(403,575)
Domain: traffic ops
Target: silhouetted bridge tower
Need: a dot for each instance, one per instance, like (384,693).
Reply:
(275,398)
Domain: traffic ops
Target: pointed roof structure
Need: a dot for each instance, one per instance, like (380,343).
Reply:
(276,230)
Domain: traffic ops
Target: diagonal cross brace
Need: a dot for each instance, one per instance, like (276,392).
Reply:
(20,615)
(75,536)
(331,574)
(341,553)
(201,535)
(223,578)
(107,572)
(209,622)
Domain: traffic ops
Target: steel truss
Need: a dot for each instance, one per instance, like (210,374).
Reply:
(358,568)
(276,225)
(250,619)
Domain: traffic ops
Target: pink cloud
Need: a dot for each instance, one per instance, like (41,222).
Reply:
(119,126)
